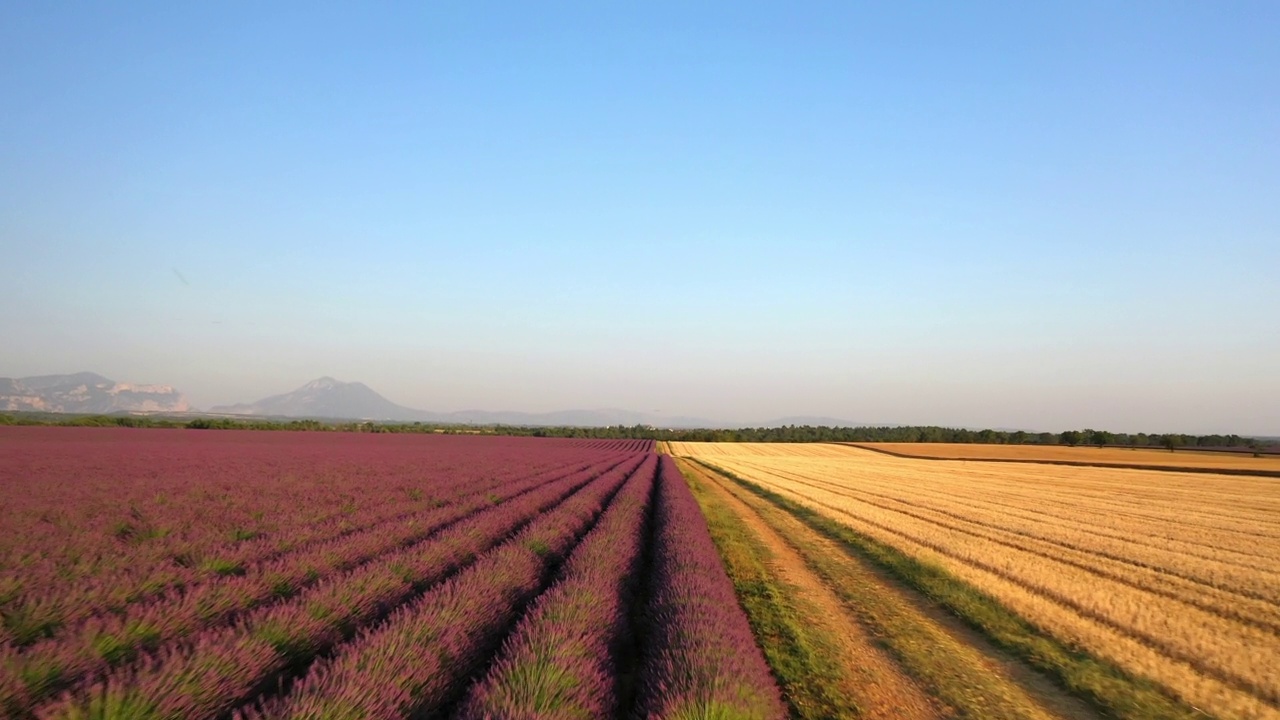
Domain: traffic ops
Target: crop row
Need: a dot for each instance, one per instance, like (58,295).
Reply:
(389,577)
(324,613)
(1228,592)
(107,641)
(225,579)
(566,657)
(1211,660)
(416,662)
(699,656)
(103,525)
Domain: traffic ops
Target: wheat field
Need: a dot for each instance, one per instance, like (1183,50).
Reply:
(1171,576)
(1183,458)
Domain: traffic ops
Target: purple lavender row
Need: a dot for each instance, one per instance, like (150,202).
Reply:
(559,663)
(223,667)
(279,570)
(103,643)
(700,658)
(627,446)
(418,660)
(158,566)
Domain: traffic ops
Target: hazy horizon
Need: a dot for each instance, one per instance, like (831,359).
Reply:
(1051,216)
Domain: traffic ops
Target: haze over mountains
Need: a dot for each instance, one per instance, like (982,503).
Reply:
(86,393)
(330,398)
(323,398)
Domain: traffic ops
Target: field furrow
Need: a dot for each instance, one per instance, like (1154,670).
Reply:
(699,658)
(1221,593)
(260,646)
(412,664)
(566,656)
(104,643)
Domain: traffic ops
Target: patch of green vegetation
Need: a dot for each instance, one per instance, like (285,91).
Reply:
(29,622)
(288,644)
(220,566)
(281,586)
(540,547)
(700,709)
(136,531)
(242,534)
(39,676)
(547,687)
(115,704)
(1107,687)
(805,664)
(10,589)
(118,648)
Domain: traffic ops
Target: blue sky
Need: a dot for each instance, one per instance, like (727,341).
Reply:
(1040,215)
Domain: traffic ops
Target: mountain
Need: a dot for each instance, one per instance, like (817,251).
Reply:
(333,399)
(326,398)
(86,393)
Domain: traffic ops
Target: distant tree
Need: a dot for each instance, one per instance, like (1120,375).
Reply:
(1101,438)
(1072,437)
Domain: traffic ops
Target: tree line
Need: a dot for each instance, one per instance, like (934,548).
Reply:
(784,434)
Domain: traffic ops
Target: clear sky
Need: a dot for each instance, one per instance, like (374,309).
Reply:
(1034,214)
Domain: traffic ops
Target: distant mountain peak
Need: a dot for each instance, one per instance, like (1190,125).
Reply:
(326,397)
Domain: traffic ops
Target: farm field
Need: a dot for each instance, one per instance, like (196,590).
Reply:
(1241,461)
(188,574)
(1169,578)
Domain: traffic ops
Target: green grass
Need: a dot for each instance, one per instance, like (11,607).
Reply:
(221,566)
(806,666)
(1104,685)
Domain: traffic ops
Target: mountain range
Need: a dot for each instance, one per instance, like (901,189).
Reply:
(86,393)
(323,398)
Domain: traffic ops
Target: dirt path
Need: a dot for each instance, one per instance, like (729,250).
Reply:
(877,684)
(886,689)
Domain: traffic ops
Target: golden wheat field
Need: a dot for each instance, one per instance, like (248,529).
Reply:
(1101,456)
(1171,576)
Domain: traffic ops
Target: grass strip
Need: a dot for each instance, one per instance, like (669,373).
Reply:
(1107,687)
(954,674)
(806,666)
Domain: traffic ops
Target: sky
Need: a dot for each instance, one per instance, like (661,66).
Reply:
(1042,215)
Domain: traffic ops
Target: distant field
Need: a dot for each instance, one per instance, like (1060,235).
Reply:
(1172,577)
(1063,453)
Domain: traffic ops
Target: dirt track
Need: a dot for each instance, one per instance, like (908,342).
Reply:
(877,679)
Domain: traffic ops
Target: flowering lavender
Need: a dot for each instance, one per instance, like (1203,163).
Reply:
(559,663)
(415,662)
(105,641)
(243,649)
(700,658)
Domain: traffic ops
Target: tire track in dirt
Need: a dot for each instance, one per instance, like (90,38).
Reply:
(878,685)
(887,689)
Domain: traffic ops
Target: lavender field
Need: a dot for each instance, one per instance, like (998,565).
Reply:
(187,574)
